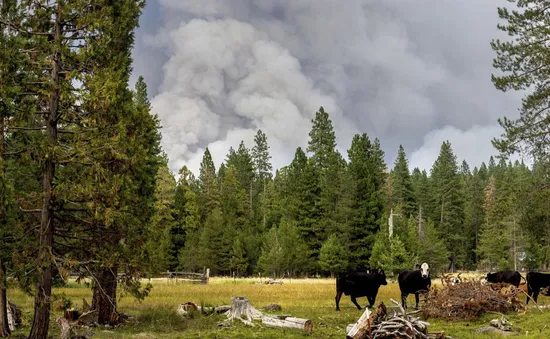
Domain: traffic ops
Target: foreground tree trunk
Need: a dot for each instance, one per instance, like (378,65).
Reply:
(104,298)
(4,327)
(41,319)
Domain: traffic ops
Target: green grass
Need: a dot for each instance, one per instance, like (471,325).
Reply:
(156,317)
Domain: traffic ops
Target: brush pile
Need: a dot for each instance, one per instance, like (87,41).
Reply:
(385,324)
(469,299)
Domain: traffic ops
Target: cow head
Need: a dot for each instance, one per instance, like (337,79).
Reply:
(425,270)
(491,277)
(380,276)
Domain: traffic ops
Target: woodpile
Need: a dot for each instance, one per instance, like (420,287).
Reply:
(382,325)
(471,298)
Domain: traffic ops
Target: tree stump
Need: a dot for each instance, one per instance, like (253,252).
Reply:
(240,307)
(242,310)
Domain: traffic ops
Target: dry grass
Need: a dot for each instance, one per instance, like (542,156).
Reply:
(304,298)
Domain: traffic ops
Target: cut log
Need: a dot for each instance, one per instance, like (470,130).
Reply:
(361,327)
(88,318)
(289,322)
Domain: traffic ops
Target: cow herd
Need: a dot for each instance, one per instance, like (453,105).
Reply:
(367,283)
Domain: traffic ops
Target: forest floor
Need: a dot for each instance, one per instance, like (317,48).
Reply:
(313,299)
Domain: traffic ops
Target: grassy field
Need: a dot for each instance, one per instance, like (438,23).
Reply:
(156,317)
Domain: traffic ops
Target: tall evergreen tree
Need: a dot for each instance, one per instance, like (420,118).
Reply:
(263,174)
(209,191)
(366,167)
(447,204)
(402,195)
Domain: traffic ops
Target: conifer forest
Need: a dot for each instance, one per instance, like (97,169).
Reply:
(86,189)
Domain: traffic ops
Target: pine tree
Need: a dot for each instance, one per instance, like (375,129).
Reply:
(402,195)
(493,242)
(302,196)
(447,204)
(209,191)
(263,173)
(185,234)
(433,249)
(524,61)
(366,167)
(333,256)
(159,241)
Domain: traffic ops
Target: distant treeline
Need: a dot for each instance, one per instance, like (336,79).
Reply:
(322,214)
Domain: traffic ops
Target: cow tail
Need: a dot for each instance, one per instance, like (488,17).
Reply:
(523,279)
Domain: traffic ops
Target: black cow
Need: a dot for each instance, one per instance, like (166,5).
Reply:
(359,284)
(510,277)
(536,281)
(414,281)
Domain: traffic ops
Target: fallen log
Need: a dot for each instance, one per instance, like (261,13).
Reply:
(289,322)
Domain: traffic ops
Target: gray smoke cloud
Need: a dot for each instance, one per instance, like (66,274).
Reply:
(411,73)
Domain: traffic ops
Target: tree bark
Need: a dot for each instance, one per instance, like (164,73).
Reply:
(41,319)
(104,297)
(4,327)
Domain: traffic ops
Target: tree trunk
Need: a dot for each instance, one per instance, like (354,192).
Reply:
(104,298)
(4,327)
(41,319)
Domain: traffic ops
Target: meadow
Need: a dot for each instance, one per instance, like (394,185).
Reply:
(156,316)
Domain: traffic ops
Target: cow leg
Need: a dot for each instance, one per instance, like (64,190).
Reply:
(354,300)
(529,293)
(372,299)
(404,300)
(338,297)
(417,298)
(536,292)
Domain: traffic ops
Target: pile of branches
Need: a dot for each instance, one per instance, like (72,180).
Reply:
(385,324)
(471,298)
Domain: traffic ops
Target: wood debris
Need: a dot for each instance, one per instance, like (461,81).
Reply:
(471,298)
(381,325)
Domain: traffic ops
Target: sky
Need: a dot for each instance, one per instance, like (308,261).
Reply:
(411,73)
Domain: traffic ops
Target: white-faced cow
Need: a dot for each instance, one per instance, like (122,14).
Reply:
(414,281)
(536,281)
(510,277)
(359,284)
